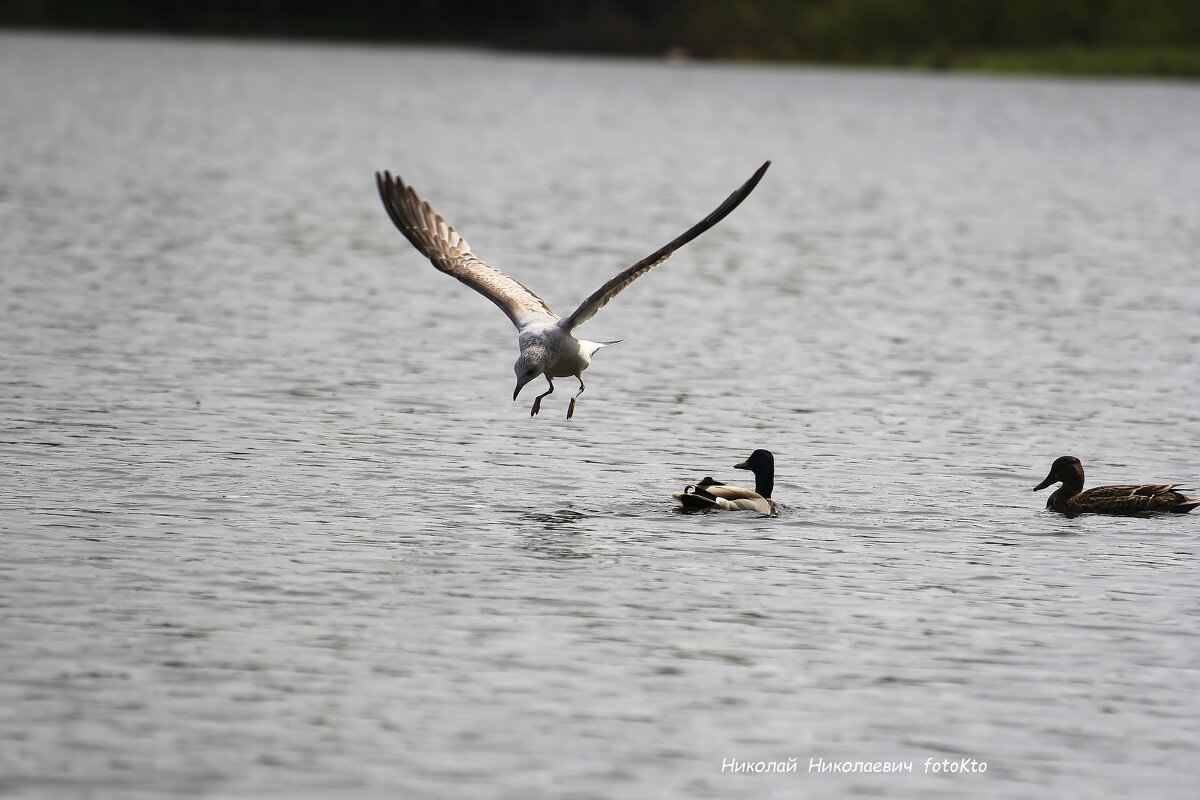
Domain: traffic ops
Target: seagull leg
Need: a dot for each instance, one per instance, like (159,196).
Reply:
(537,401)
(571,405)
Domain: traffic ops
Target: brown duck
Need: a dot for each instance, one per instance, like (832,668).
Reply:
(1070,498)
(711,495)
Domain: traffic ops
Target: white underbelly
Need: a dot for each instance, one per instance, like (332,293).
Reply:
(567,356)
(568,363)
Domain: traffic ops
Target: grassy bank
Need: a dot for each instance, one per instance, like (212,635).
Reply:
(1172,62)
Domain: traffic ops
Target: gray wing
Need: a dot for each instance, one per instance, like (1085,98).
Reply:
(599,299)
(449,252)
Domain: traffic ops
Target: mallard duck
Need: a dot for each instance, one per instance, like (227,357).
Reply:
(711,495)
(1070,498)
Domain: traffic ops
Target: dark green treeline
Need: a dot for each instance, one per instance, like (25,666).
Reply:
(1137,36)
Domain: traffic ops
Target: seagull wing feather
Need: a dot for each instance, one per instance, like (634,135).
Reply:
(599,299)
(450,253)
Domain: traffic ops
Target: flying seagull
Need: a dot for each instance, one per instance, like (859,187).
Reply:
(546,341)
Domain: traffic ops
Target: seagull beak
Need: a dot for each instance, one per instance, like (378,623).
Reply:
(520,386)
(1049,480)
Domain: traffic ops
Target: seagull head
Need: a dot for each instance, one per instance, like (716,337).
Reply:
(527,368)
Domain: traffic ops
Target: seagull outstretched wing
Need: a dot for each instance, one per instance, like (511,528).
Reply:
(450,253)
(588,308)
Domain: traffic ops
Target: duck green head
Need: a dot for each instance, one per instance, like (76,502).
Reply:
(762,464)
(759,460)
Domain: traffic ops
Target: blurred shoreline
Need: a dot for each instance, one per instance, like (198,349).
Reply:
(1151,38)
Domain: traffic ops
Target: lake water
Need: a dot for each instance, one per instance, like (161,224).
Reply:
(272,525)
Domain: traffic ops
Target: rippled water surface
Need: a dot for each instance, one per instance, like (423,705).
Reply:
(273,527)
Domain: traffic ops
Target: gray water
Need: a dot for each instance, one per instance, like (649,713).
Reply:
(273,526)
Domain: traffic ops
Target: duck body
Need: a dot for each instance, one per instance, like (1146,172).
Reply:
(1123,499)
(712,495)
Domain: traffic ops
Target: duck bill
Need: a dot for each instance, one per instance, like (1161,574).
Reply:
(1049,480)
(742,465)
